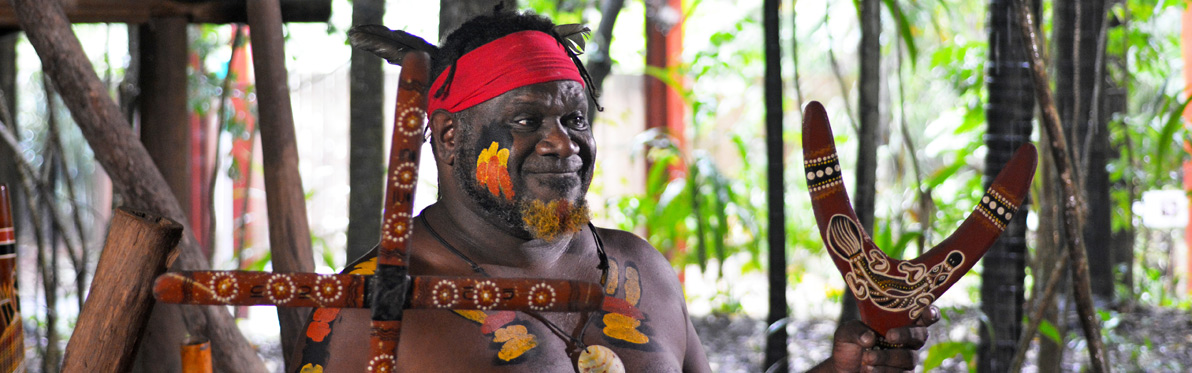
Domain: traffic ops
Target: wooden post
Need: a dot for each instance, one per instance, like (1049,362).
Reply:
(289,233)
(138,249)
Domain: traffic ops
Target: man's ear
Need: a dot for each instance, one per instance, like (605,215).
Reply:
(442,129)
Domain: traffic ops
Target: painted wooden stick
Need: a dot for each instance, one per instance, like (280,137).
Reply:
(893,293)
(12,341)
(242,288)
(139,247)
(392,281)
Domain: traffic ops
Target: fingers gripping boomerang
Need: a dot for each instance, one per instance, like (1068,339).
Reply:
(892,293)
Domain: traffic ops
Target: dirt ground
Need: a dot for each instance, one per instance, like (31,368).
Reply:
(1145,339)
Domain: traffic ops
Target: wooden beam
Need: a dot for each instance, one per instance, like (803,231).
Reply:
(202,11)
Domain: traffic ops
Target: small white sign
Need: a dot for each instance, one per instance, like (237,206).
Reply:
(1164,209)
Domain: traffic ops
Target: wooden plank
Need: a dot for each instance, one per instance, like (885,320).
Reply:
(206,11)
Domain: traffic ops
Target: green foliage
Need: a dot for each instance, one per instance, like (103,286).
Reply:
(945,350)
(701,207)
(1047,329)
(561,11)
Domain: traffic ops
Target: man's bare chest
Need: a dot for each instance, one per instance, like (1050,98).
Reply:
(526,342)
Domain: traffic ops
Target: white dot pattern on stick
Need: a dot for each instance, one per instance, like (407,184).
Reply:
(328,289)
(381,364)
(405,176)
(280,289)
(411,121)
(224,287)
(445,294)
(542,296)
(487,295)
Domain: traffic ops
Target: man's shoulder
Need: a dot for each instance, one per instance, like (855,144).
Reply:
(629,245)
(629,248)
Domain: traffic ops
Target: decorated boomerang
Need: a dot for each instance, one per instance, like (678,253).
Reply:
(893,293)
(392,281)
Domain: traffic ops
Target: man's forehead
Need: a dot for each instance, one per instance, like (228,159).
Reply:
(564,90)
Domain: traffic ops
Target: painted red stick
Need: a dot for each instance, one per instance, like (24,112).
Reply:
(392,280)
(244,288)
(892,293)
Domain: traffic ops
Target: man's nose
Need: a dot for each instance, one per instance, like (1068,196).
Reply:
(556,141)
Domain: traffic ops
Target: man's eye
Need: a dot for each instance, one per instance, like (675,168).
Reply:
(577,122)
(527,122)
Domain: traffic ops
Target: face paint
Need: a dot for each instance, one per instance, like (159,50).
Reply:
(515,182)
(492,170)
(481,182)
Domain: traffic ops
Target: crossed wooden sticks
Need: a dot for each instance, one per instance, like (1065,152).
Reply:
(392,289)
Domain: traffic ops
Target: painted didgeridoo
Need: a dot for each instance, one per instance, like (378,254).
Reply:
(245,288)
(893,293)
(12,341)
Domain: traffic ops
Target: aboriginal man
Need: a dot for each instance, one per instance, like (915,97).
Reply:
(515,155)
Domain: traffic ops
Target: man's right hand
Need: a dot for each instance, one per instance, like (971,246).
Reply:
(853,347)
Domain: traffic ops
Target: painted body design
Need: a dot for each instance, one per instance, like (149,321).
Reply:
(622,319)
(317,351)
(893,293)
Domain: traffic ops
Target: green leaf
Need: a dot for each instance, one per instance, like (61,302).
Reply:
(259,264)
(904,30)
(1167,134)
(941,175)
(946,350)
(1047,329)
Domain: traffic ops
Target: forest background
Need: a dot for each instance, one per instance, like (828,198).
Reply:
(698,192)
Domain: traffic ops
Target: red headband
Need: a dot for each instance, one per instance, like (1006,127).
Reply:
(513,61)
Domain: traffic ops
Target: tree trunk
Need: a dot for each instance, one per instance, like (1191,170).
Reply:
(453,13)
(1049,253)
(8,170)
(289,233)
(367,167)
(600,62)
(162,105)
(1070,185)
(1009,113)
(127,162)
(776,359)
(868,101)
(1076,29)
